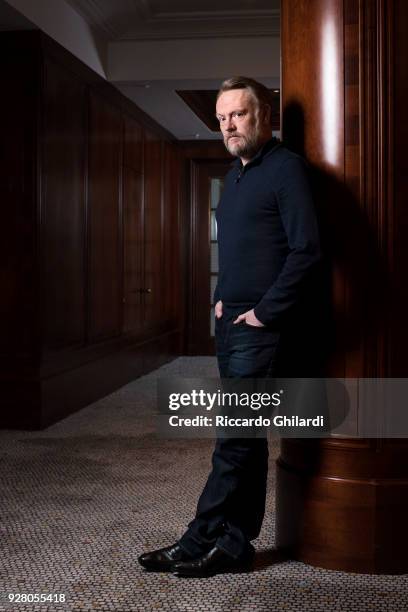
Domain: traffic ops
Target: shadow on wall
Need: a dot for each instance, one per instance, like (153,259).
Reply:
(349,303)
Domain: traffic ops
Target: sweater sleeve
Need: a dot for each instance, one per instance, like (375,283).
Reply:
(300,224)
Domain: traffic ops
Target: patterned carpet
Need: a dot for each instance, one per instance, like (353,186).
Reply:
(81,500)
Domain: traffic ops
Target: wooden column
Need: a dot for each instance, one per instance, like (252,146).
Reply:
(342,503)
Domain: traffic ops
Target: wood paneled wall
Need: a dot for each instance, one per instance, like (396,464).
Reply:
(153,221)
(395,184)
(133,212)
(342,503)
(63,219)
(19,185)
(90,239)
(174,282)
(104,219)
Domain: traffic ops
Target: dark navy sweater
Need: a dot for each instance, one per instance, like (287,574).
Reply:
(267,233)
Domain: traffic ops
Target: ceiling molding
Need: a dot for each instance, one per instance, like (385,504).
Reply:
(214,15)
(100,15)
(129,20)
(248,28)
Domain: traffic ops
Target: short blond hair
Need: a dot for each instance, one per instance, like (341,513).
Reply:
(259,92)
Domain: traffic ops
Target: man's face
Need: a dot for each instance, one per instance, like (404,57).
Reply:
(240,124)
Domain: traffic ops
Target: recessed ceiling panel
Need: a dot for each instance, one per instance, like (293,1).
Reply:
(202,103)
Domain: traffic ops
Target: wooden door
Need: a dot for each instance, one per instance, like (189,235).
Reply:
(207,183)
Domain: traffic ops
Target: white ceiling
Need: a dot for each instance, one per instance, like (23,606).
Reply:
(150,48)
(153,19)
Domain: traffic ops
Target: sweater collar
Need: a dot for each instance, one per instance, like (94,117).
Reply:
(266,148)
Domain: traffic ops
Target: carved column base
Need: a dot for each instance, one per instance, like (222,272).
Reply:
(343,504)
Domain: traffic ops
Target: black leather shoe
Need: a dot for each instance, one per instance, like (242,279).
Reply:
(162,560)
(216,561)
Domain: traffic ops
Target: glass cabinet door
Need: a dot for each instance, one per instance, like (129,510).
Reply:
(216,186)
(207,181)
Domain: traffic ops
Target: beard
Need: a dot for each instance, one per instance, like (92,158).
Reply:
(243,146)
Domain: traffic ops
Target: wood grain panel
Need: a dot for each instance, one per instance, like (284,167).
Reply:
(342,503)
(105,232)
(344,507)
(397,186)
(63,209)
(133,249)
(132,144)
(19,108)
(171,229)
(312,81)
(313,125)
(153,232)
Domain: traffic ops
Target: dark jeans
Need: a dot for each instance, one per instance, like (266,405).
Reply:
(232,505)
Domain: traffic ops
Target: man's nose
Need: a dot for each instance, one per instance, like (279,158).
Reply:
(230,125)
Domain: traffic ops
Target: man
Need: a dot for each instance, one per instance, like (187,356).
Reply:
(268,245)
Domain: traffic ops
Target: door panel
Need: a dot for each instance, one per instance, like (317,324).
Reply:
(105,290)
(63,213)
(153,281)
(207,181)
(171,238)
(133,249)
(133,225)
